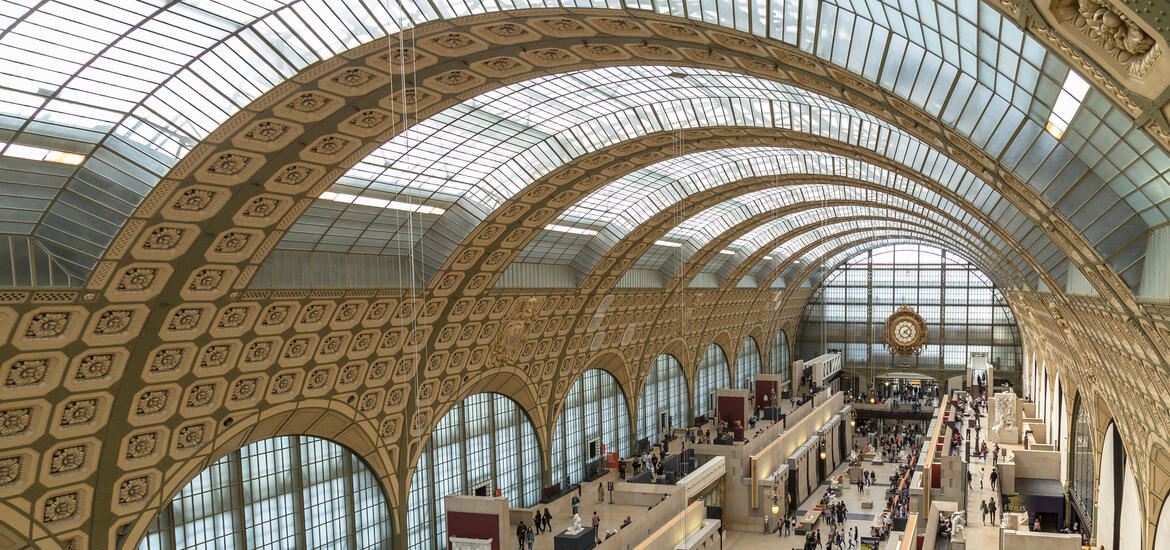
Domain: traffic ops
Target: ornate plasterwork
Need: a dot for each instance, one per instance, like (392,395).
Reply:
(1116,38)
(444,338)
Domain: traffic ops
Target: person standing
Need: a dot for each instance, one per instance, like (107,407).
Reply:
(521,533)
(600,493)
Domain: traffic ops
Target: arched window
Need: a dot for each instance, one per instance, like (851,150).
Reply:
(484,443)
(1081,466)
(594,409)
(747,365)
(964,311)
(284,492)
(712,375)
(780,362)
(665,391)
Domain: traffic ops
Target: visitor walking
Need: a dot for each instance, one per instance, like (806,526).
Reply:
(983,510)
(994,476)
(991,509)
(531,538)
(521,533)
(537,524)
(596,521)
(547,520)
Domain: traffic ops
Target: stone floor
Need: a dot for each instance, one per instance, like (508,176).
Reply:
(612,515)
(978,536)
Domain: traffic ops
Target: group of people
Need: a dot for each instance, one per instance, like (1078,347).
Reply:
(898,443)
(785,525)
(541,522)
(988,508)
(866,479)
(839,539)
(945,528)
(898,497)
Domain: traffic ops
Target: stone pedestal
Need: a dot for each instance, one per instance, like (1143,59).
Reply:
(1004,419)
(584,540)
(470,544)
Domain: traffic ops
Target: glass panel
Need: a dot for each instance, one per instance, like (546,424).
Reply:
(283,492)
(486,441)
(964,312)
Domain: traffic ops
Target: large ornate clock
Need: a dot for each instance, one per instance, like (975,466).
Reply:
(905,332)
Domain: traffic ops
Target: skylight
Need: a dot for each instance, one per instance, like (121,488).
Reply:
(671,244)
(1072,93)
(725,251)
(567,229)
(380,203)
(37,153)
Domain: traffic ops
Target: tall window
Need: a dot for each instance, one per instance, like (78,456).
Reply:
(595,408)
(1081,465)
(747,365)
(486,442)
(712,375)
(284,492)
(665,391)
(780,361)
(964,312)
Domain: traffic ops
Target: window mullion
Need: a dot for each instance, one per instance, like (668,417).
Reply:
(298,494)
(237,491)
(350,507)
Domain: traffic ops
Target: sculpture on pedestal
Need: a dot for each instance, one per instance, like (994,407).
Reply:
(1005,428)
(958,525)
(576,528)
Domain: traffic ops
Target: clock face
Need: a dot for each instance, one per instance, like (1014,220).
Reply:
(904,332)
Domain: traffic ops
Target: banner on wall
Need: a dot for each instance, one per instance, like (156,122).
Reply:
(611,460)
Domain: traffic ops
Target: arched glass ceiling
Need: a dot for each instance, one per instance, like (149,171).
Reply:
(760,237)
(708,225)
(853,254)
(509,137)
(840,231)
(135,85)
(646,191)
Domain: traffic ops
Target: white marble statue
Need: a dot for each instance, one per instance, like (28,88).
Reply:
(958,525)
(576,528)
(1005,414)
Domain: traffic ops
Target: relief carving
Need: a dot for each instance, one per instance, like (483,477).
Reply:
(47,324)
(506,347)
(67,459)
(79,412)
(59,508)
(94,366)
(27,372)
(14,421)
(141,445)
(1118,34)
